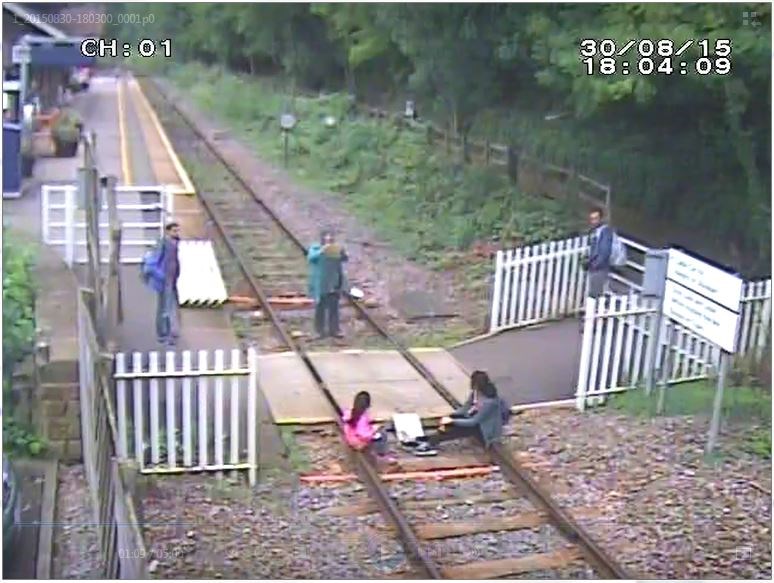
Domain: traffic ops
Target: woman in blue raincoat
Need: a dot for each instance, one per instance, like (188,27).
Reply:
(326,282)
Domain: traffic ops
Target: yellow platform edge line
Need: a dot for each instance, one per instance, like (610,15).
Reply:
(187,187)
(126,167)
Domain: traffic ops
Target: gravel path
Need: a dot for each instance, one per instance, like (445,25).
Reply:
(198,529)
(683,517)
(663,511)
(76,550)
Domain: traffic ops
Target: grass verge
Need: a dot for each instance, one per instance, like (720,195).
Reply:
(747,407)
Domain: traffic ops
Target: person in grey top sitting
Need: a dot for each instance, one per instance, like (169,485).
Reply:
(483,415)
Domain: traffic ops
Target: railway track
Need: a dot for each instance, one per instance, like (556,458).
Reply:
(270,259)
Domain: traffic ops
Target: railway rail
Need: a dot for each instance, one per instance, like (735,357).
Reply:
(239,214)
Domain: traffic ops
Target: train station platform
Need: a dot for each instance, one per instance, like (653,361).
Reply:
(132,146)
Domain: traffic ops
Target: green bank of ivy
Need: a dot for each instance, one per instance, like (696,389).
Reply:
(18,337)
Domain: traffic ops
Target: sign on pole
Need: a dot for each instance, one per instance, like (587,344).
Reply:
(706,300)
(703,298)
(20,54)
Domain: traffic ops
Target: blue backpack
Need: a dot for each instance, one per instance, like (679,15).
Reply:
(505,411)
(152,268)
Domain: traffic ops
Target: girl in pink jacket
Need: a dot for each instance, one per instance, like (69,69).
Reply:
(359,431)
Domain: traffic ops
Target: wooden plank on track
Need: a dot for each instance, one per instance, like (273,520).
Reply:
(513,566)
(441,530)
(369,507)
(442,462)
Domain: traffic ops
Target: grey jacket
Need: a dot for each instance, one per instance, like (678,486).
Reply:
(488,417)
(600,247)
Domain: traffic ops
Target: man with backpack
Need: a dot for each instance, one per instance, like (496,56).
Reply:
(606,250)
(160,271)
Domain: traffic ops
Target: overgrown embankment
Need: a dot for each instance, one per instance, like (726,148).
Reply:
(413,195)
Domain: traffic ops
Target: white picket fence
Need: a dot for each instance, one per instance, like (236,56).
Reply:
(545,282)
(617,331)
(186,418)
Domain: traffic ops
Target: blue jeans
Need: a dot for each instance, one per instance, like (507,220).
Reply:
(379,444)
(167,323)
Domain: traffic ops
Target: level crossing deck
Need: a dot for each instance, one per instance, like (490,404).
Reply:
(395,386)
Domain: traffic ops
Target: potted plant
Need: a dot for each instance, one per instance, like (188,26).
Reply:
(66,132)
(27,155)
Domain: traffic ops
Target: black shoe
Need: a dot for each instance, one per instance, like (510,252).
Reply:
(424,449)
(409,445)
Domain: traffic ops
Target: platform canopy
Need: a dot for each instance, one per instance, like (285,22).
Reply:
(56,52)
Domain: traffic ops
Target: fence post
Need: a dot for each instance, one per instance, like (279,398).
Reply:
(765,332)
(512,160)
(254,421)
(586,349)
(69,225)
(497,291)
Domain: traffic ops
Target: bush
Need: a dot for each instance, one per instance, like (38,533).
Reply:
(67,127)
(18,338)
(18,303)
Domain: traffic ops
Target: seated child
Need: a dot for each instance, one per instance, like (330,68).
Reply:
(359,432)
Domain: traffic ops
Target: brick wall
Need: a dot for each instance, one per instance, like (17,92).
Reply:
(57,415)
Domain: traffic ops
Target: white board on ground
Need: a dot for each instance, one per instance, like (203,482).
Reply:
(710,281)
(708,319)
(408,426)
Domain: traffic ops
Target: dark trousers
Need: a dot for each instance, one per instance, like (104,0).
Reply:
(453,432)
(326,315)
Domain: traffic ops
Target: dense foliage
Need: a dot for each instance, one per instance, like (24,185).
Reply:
(18,304)
(690,149)
(18,339)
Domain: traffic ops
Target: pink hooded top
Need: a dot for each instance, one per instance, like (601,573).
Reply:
(362,432)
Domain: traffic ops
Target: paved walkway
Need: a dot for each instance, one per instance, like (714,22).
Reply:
(529,365)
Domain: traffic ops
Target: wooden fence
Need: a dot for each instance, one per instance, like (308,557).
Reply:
(121,546)
(205,419)
(618,329)
(531,174)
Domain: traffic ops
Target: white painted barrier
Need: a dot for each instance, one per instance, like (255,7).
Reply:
(617,330)
(185,419)
(64,224)
(200,282)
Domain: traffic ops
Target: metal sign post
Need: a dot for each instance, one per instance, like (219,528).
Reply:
(287,123)
(653,285)
(20,55)
(717,406)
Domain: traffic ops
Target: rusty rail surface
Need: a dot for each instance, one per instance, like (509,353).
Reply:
(604,564)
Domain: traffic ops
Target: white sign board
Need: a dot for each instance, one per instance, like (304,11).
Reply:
(713,283)
(708,319)
(20,54)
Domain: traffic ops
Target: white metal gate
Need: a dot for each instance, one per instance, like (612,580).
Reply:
(617,331)
(545,282)
(186,418)
(142,213)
